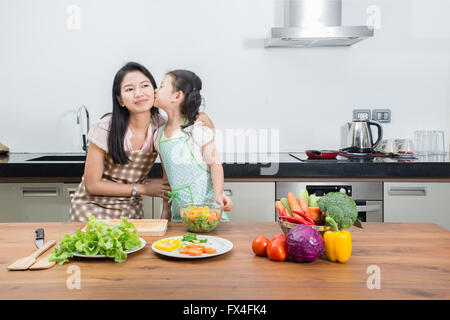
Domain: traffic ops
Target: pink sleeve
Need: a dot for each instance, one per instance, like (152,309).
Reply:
(99,133)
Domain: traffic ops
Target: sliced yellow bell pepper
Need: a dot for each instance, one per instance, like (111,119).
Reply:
(338,244)
(168,244)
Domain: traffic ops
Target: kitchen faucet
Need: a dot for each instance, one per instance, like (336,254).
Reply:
(85,142)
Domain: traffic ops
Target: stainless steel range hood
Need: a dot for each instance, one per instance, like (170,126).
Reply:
(315,23)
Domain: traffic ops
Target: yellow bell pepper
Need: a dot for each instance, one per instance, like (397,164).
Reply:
(168,244)
(338,244)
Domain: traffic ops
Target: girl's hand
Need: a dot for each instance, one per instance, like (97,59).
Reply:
(155,188)
(225,202)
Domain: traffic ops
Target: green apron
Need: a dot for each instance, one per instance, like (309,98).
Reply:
(190,182)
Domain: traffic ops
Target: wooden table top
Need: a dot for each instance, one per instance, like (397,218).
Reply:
(413,260)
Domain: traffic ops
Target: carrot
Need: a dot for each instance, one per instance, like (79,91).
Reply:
(315,214)
(303,204)
(209,250)
(195,252)
(280,208)
(285,203)
(294,205)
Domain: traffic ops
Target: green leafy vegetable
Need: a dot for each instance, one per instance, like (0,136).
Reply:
(191,238)
(304,193)
(341,208)
(313,201)
(99,239)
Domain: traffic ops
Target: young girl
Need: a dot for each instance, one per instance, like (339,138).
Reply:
(186,147)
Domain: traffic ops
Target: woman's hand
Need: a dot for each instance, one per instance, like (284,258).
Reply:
(207,122)
(155,188)
(225,202)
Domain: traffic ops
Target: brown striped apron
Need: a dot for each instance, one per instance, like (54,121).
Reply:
(111,207)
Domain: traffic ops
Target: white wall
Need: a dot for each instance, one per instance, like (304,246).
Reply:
(48,71)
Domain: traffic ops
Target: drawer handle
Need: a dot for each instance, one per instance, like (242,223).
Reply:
(71,192)
(228,192)
(375,207)
(407,191)
(39,192)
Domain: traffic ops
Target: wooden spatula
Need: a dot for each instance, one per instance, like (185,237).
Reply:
(25,263)
(42,262)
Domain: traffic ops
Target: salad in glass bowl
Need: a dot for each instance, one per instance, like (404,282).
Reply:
(201,217)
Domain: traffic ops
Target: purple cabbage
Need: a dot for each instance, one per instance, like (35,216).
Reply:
(304,243)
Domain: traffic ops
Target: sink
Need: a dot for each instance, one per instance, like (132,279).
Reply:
(79,158)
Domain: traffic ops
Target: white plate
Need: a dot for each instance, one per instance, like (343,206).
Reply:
(220,244)
(143,243)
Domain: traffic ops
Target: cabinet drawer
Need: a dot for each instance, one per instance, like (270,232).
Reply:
(68,191)
(32,202)
(252,201)
(417,202)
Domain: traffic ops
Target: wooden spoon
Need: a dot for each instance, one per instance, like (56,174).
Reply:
(25,263)
(42,262)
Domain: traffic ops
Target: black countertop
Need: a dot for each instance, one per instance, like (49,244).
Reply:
(279,165)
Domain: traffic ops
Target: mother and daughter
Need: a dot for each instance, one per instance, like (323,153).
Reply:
(124,145)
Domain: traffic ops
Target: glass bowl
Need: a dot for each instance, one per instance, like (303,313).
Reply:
(201,217)
(286,226)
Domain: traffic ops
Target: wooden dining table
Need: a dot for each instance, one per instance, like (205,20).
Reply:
(388,261)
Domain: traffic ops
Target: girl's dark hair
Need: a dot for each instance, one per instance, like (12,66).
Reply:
(190,84)
(121,115)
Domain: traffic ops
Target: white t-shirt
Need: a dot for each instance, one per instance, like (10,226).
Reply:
(99,133)
(198,137)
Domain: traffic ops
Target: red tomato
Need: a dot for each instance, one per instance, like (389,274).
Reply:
(276,250)
(281,237)
(259,246)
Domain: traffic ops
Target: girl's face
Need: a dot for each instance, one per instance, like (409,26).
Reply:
(166,96)
(136,92)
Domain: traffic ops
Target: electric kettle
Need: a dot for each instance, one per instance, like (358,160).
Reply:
(359,135)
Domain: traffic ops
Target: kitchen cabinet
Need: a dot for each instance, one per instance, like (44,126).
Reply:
(43,202)
(68,190)
(148,207)
(31,202)
(157,207)
(417,202)
(252,201)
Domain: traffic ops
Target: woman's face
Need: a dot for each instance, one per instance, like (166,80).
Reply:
(136,92)
(166,96)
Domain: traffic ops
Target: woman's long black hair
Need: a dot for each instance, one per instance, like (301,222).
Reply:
(190,84)
(121,115)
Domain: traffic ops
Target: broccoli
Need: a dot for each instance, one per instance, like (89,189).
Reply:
(341,208)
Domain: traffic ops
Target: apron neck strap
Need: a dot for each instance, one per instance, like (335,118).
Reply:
(164,128)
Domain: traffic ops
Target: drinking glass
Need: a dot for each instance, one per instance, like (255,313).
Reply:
(422,142)
(437,142)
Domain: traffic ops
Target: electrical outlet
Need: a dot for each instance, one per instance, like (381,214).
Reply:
(361,114)
(381,115)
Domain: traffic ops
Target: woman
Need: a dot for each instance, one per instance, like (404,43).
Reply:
(121,152)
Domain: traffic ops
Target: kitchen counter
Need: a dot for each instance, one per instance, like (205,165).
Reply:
(413,259)
(278,166)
